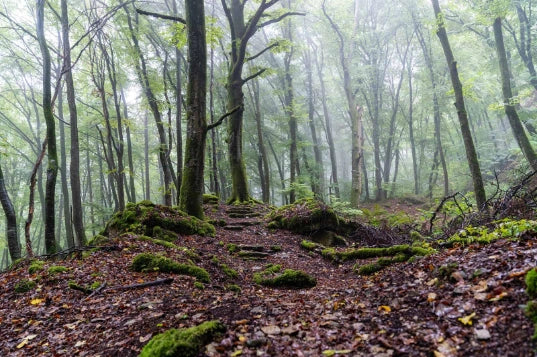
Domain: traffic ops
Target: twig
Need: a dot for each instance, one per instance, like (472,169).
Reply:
(143,285)
(96,291)
(444,200)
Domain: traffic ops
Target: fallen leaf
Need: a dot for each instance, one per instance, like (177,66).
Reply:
(431,297)
(236,353)
(145,338)
(385,308)
(36,301)
(271,330)
(467,320)
(499,297)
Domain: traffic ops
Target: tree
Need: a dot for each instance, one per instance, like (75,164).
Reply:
(52,154)
(11,220)
(471,154)
(508,100)
(192,184)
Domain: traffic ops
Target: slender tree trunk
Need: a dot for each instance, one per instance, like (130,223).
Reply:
(52,168)
(471,153)
(132,187)
(11,220)
(292,122)
(411,132)
(192,185)
(263,164)
(509,105)
(178,111)
(90,189)
(74,169)
(524,48)
(146,159)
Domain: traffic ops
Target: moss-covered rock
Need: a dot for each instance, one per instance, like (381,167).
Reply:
(531,283)
(184,342)
(24,286)
(57,269)
(304,216)
(99,240)
(164,234)
(381,263)
(36,266)
(292,279)
(143,217)
(149,262)
(209,198)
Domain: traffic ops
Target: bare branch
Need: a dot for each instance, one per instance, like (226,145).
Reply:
(280,18)
(161,16)
(221,119)
(257,74)
(260,53)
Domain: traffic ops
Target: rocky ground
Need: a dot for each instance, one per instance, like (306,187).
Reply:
(463,301)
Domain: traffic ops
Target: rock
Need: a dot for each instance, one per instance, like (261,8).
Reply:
(271,330)
(482,334)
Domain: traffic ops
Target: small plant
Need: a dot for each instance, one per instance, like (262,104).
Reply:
(36,266)
(184,342)
(24,286)
(57,269)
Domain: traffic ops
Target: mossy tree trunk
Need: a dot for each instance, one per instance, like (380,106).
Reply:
(509,103)
(192,185)
(11,220)
(52,154)
(471,153)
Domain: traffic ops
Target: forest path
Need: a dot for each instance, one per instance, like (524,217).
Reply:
(469,307)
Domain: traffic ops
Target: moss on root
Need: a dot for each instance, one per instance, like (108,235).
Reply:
(366,253)
(184,342)
(149,262)
(381,263)
(292,279)
(143,217)
(211,199)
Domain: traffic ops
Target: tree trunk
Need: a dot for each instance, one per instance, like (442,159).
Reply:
(11,221)
(263,164)
(509,105)
(524,49)
(132,187)
(74,169)
(178,112)
(471,153)
(292,121)
(146,160)
(52,168)
(192,185)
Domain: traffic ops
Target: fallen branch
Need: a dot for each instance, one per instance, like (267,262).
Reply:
(96,291)
(433,217)
(143,285)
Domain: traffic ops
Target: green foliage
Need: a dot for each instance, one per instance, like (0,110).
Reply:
(24,285)
(505,228)
(184,342)
(179,37)
(36,266)
(303,216)
(213,32)
(531,283)
(344,208)
(57,269)
(145,262)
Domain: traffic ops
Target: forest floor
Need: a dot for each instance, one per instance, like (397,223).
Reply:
(411,309)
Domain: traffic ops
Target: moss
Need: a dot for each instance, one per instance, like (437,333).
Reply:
(366,253)
(142,217)
(164,234)
(294,279)
(99,240)
(160,242)
(368,269)
(531,283)
(234,288)
(445,271)
(57,269)
(232,248)
(276,248)
(95,285)
(184,342)
(505,228)
(199,285)
(75,286)
(381,263)
(416,236)
(308,245)
(304,216)
(24,285)
(36,266)
(148,262)
(231,273)
(210,199)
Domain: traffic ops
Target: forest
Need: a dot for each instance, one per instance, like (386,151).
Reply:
(268,177)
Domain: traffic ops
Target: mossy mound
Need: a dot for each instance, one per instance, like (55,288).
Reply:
(184,342)
(149,262)
(367,252)
(24,286)
(36,266)
(531,283)
(98,240)
(143,217)
(57,269)
(210,199)
(304,216)
(291,279)
(531,305)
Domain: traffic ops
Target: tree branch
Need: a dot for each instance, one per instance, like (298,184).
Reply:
(161,16)
(260,53)
(221,119)
(280,18)
(258,73)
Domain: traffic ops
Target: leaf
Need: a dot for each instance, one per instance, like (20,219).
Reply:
(467,320)
(36,301)
(329,353)
(385,308)
(236,353)
(431,297)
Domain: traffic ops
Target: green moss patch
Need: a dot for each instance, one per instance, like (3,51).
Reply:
(505,228)
(36,266)
(184,342)
(160,242)
(381,263)
(292,279)
(57,269)
(304,216)
(531,306)
(24,285)
(531,283)
(229,272)
(149,262)
(143,217)
(99,240)
(366,253)
(210,199)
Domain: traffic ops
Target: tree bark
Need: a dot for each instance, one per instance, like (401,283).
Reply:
(192,185)
(11,221)
(52,167)
(471,153)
